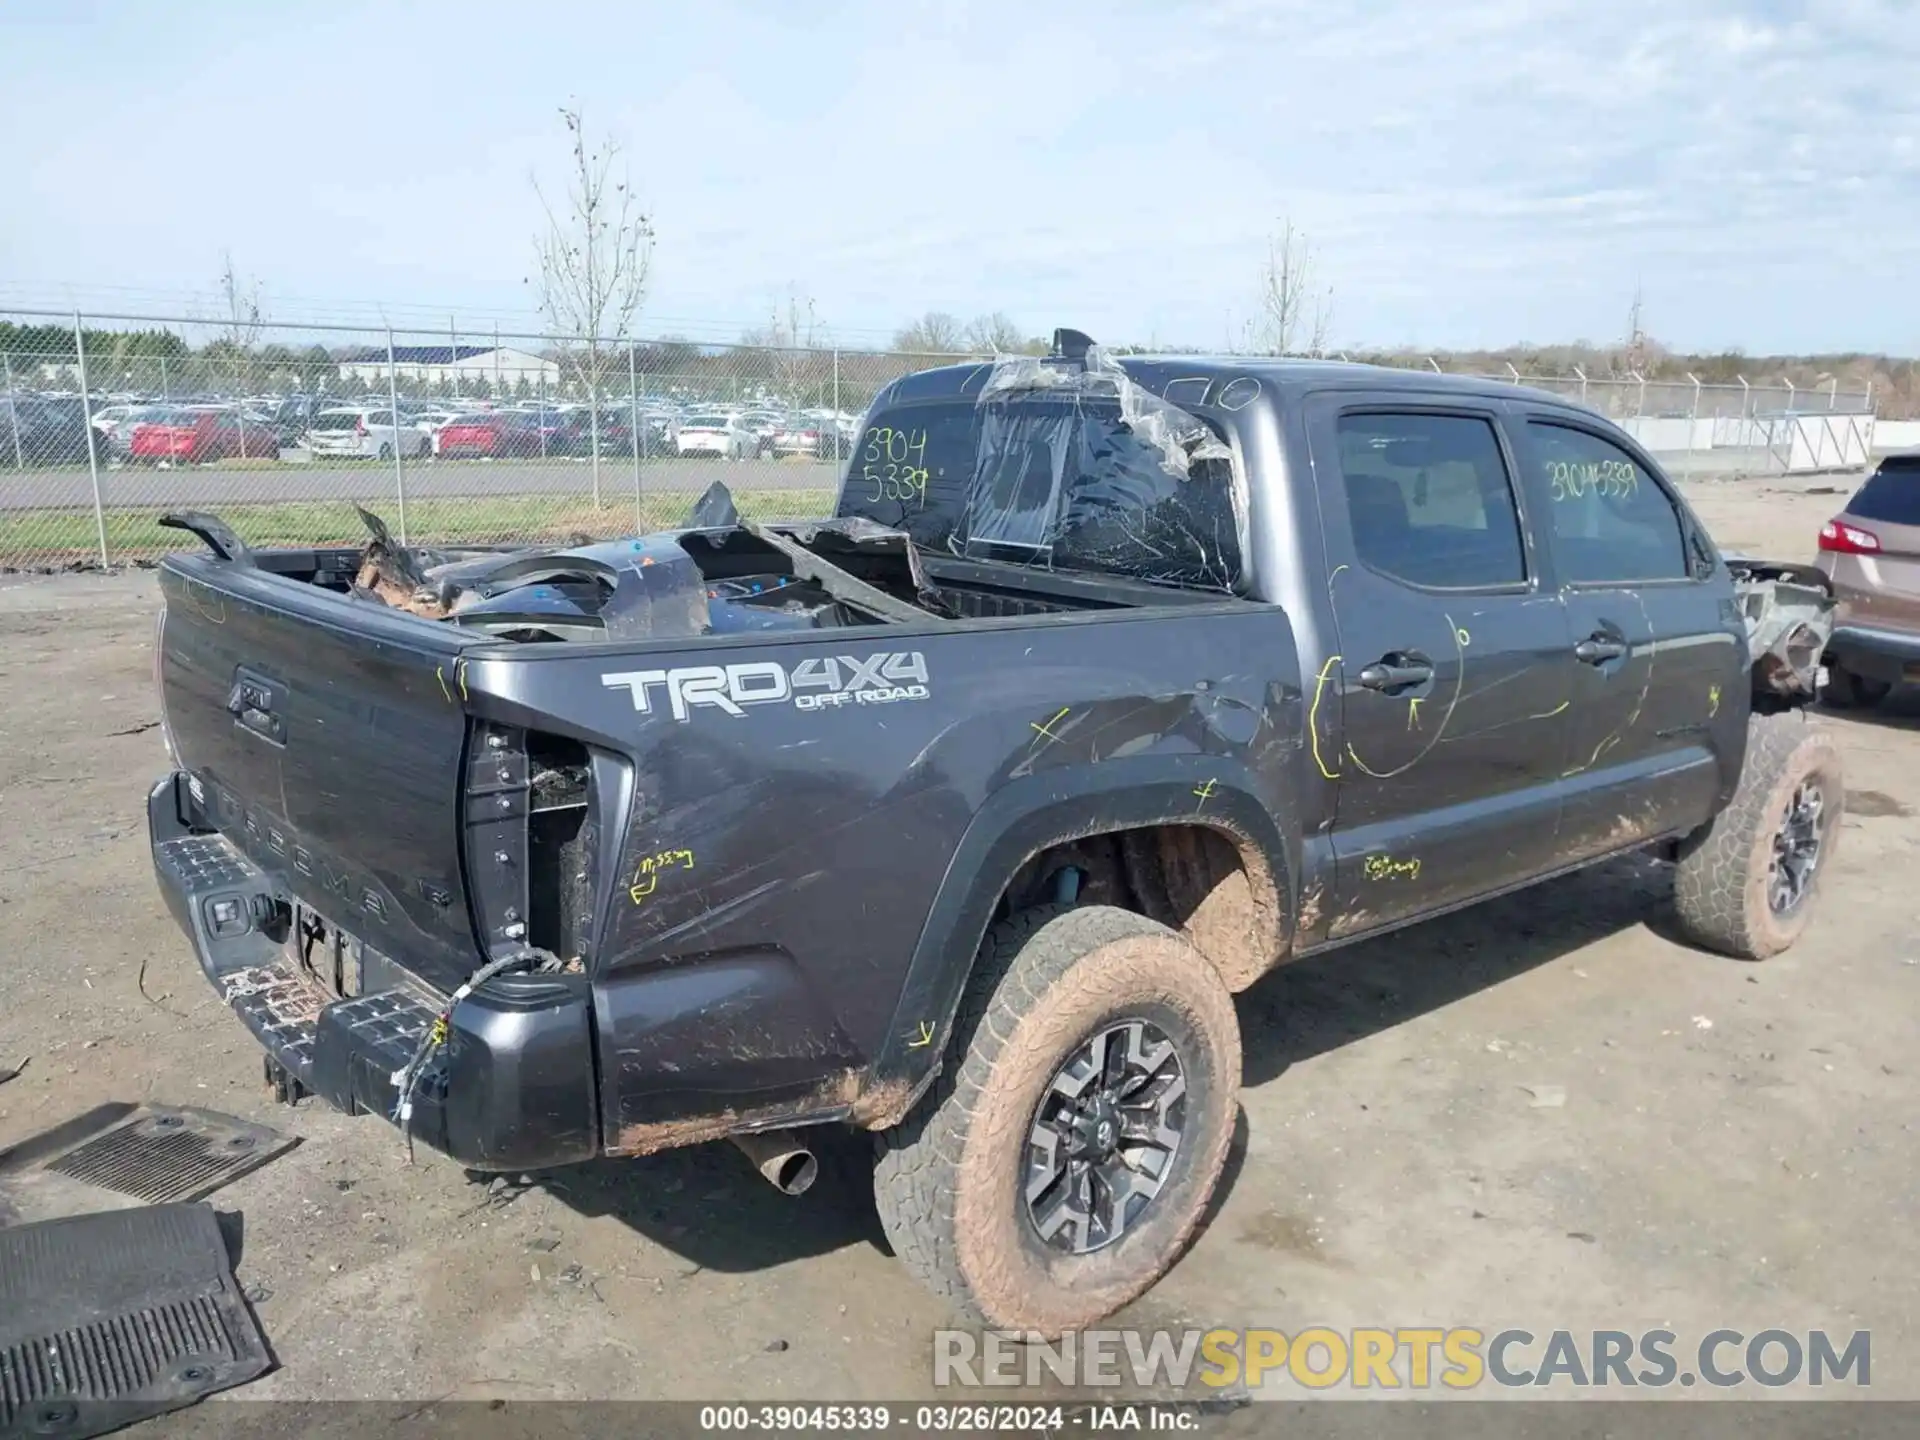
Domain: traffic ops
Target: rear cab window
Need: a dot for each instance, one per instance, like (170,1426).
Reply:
(1063,476)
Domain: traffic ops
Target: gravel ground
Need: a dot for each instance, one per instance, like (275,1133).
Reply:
(1735,1147)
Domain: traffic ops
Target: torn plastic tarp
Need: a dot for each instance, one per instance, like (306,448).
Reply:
(1081,467)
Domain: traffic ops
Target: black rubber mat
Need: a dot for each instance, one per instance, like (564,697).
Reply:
(110,1318)
(152,1154)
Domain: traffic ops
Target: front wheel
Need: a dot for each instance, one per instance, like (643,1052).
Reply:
(1068,1150)
(1746,882)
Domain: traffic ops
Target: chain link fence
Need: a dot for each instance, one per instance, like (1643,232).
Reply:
(108,421)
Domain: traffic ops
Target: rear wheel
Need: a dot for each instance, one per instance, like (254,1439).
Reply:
(386,451)
(1846,690)
(1746,882)
(1067,1151)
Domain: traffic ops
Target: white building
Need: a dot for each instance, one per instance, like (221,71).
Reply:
(499,366)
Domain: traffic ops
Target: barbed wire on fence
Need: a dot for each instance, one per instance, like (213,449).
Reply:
(489,435)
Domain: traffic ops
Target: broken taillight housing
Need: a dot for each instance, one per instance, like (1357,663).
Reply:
(1841,538)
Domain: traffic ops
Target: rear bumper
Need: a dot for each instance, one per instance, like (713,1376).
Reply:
(1875,653)
(512,1088)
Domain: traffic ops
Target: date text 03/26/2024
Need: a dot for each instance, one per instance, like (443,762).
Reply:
(961,1419)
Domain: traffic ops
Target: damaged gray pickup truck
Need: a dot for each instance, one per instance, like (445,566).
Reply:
(960,817)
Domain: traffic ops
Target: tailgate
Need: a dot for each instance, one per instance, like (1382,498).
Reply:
(325,739)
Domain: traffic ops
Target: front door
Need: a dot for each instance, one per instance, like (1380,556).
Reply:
(1660,680)
(1443,718)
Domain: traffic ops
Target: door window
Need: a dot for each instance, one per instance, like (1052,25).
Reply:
(1611,520)
(1430,501)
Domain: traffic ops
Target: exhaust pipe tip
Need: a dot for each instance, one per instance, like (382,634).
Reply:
(783,1159)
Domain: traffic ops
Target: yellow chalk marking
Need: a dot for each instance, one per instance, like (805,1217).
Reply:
(1462,636)
(441,676)
(1313,716)
(1413,713)
(1713,701)
(1548,715)
(924,1039)
(1047,729)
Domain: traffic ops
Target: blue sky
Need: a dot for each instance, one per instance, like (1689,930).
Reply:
(1470,173)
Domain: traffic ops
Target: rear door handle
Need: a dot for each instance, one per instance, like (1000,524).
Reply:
(1598,649)
(1395,672)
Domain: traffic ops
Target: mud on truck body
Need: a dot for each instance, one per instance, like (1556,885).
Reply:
(961,816)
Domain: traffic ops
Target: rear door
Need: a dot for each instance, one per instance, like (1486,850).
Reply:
(1443,717)
(1659,685)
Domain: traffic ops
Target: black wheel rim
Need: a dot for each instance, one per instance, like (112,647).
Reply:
(1797,846)
(1104,1137)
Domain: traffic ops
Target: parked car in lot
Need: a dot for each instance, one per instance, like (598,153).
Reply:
(363,432)
(960,818)
(1871,551)
(200,435)
(43,430)
(726,436)
(497,434)
(803,437)
(117,437)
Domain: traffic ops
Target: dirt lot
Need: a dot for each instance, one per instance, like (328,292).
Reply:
(1735,1149)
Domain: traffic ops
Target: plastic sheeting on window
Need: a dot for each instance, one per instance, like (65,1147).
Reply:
(1082,468)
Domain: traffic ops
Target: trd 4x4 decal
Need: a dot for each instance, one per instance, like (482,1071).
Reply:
(820,683)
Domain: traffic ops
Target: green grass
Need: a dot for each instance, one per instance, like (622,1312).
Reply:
(42,537)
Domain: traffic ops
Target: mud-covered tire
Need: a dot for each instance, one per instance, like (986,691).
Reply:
(1846,690)
(949,1182)
(1725,869)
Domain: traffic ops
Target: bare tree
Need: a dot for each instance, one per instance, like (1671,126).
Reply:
(592,263)
(934,333)
(235,325)
(994,334)
(792,337)
(1292,301)
(240,304)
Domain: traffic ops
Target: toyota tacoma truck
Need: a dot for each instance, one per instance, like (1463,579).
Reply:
(961,816)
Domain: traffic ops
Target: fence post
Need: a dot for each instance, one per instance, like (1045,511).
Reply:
(593,414)
(1793,397)
(1512,373)
(836,407)
(1746,396)
(1693,416)
(13,414)
(1583,383)
(1436,365)
(1869,409)
(393,416)
(93,458)
(633,404)
(166,392)
(1833,393)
